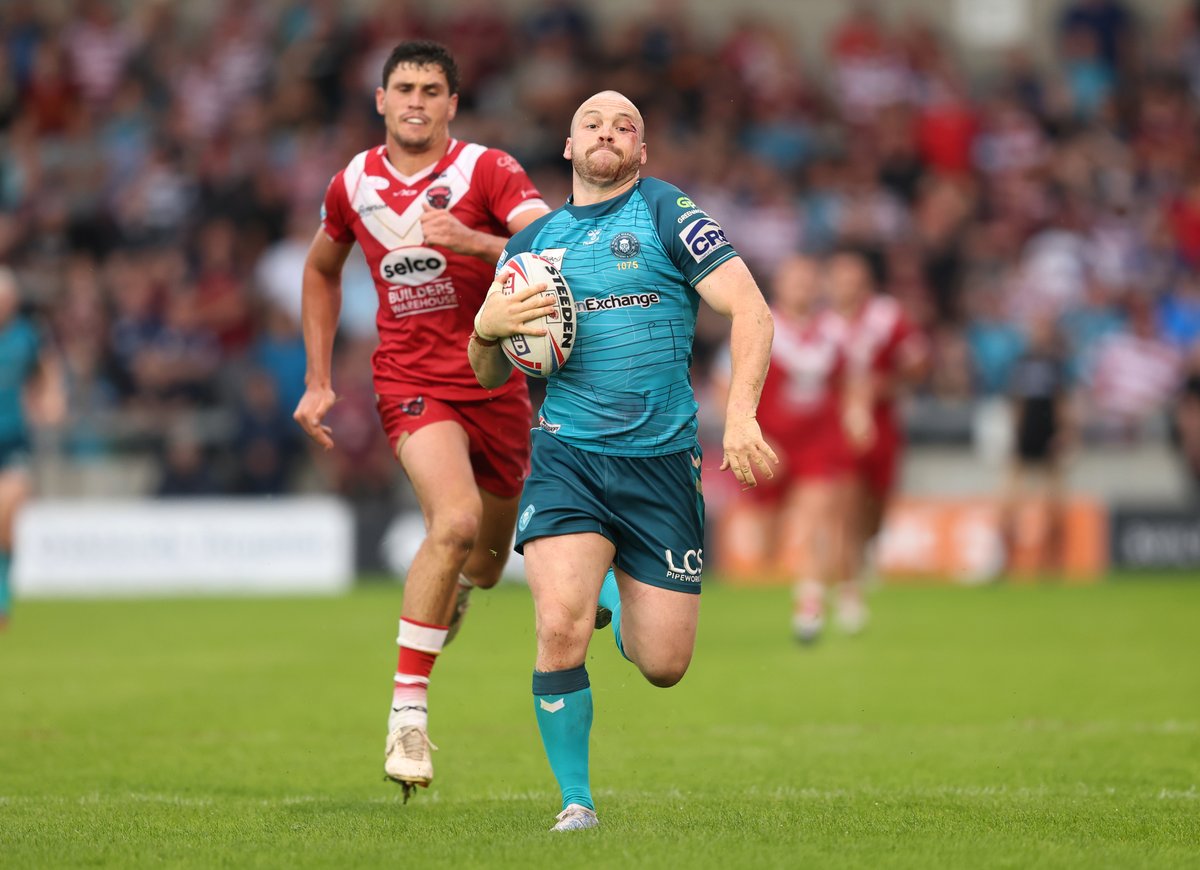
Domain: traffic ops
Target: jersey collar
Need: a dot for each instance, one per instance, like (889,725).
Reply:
(601,209)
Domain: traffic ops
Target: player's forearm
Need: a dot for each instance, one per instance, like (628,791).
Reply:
(484,246)
(489,363)
(750,352)
(321,305)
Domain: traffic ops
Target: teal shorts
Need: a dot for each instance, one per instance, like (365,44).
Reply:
(650,507)
(14,455)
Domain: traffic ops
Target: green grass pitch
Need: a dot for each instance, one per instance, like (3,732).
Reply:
(991,727)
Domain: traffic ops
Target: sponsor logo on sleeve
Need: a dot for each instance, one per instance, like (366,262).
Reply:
(684,202)
(703,236)
(507,161)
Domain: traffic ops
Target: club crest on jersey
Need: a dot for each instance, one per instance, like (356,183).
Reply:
(438,197)
(625,245)
(414,407)
(703,236)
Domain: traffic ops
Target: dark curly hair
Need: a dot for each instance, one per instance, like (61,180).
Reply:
(423,52)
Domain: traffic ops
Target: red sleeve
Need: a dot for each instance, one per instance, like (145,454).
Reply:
(508,189)
(335,212)
(908,342)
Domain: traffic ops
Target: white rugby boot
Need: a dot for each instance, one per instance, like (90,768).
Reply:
(852,613)
(408,758)
(576,818)
(808,617)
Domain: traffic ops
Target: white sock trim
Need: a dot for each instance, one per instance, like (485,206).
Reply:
(409,679)
(421,637)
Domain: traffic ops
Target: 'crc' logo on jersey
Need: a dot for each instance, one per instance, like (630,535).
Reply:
(689,569)
(412,267)
(702,237)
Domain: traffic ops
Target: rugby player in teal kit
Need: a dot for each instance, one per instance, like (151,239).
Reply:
(30,382)
(616,465)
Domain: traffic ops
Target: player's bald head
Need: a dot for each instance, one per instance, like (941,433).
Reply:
(610,103)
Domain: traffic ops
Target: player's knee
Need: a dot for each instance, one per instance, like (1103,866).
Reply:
(666,672)
(485,571)
(561,632)
(455,531)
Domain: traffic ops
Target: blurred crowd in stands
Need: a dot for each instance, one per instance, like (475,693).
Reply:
(161,171)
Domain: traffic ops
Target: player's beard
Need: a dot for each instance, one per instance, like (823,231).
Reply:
(608,173)
(407,137)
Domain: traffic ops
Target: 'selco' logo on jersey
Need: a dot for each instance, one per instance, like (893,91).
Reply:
(624,245)
(438,197)
(702,237)
(412,266)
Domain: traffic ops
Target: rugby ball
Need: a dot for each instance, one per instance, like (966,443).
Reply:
(541,355)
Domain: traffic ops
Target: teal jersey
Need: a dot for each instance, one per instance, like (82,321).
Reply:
(19,350)
(632,264)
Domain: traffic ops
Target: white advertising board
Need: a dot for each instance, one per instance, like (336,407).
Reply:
(97,548)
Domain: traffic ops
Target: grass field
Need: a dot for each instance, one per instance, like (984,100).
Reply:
(990,727)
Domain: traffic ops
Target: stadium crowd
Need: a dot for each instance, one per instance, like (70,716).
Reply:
(160,179)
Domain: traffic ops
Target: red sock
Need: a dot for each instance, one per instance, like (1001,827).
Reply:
(420,644)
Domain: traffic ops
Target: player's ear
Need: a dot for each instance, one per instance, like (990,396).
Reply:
(379,95)
(453,107)
(643,154)
(567,150)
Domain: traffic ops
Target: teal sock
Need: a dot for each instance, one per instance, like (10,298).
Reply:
(610,598)
(5,598)
(564,716)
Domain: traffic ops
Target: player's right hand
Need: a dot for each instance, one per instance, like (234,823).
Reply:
(313,406)
(504,315)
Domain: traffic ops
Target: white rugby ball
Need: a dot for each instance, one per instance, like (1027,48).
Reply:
(541,355)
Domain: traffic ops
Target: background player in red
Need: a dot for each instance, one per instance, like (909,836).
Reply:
(432,215)
(814,418)
(886,350)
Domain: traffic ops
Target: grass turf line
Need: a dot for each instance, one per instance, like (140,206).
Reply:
(994,727)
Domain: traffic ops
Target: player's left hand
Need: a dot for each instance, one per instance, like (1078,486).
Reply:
(745,448)
(442,228)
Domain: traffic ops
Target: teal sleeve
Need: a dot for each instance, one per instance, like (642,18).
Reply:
(693,239)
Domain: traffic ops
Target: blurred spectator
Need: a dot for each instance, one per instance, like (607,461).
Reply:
(267,442)
(1106,22)
(186,469)
(1187,419)
(1043,431)
(1135,373)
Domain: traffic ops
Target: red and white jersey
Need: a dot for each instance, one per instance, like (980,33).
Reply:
(428,295)
(878,338)
(805,377)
